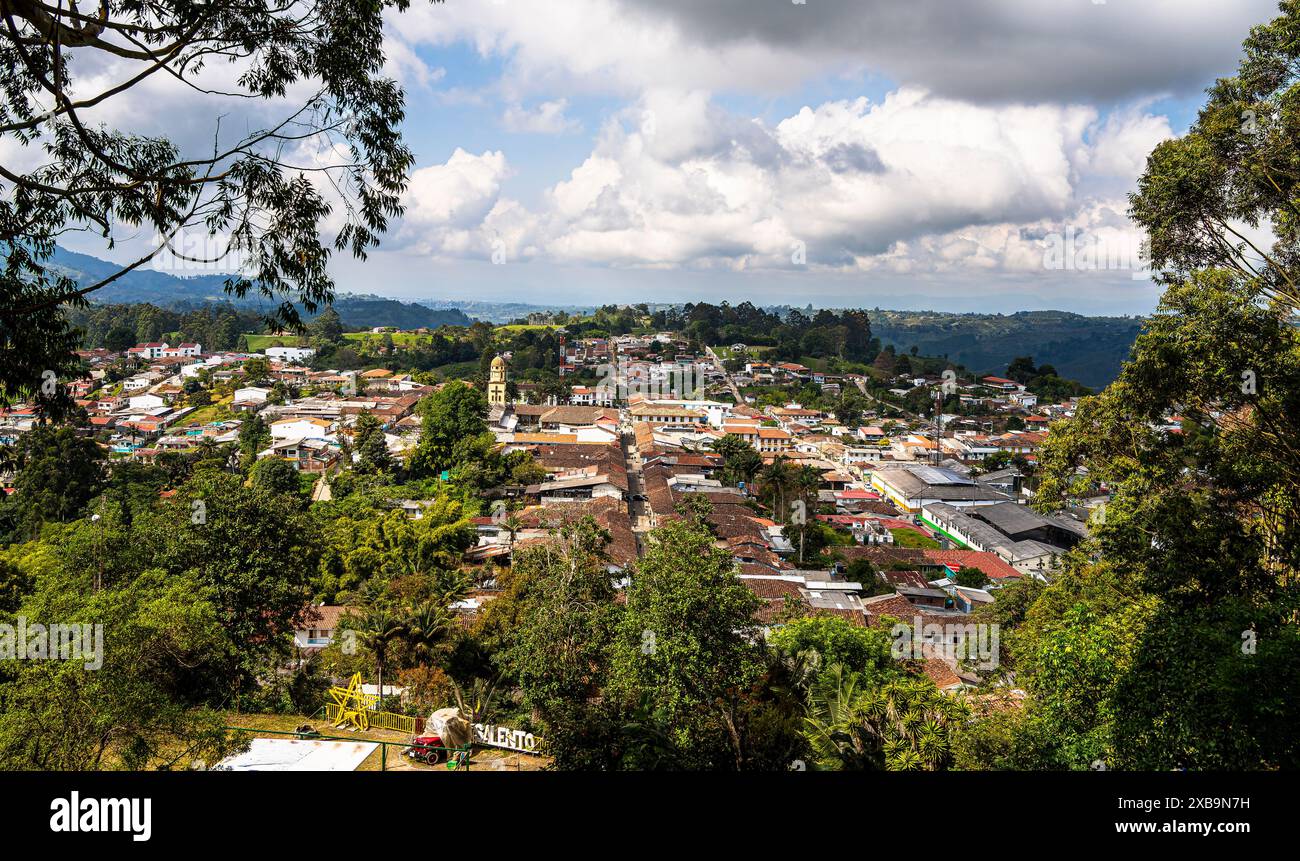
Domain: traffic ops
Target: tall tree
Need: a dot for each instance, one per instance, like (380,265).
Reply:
(237,196)
(58,472)
(1178,617)
(740,462)
(373,456)
(454,420)
(688,642)
(251,548)
(558,648)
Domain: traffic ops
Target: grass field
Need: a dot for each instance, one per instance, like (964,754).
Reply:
(406,339)
(910,538)
(520,327)
(482,758)
(211,412)
(458,370)
(724,352)
(258,343)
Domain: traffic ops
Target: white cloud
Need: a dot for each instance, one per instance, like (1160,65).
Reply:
(914,183)
(449,205)
(547,119)
(983,50)
(1120,147)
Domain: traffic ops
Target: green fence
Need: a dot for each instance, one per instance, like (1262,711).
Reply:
(458,758)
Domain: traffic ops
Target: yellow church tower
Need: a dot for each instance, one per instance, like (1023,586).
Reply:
(496,390)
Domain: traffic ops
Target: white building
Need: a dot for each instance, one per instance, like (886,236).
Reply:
(250,398)
(290,354)
(145,402)
(301,429)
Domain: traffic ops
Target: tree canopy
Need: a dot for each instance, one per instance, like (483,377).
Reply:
(238,192)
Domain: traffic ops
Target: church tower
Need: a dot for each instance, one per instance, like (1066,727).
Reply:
(496,390)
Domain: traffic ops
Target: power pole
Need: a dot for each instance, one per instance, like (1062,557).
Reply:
(938,423)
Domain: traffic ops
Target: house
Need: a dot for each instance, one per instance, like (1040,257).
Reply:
(1024,400)
(792,369)
(1027,541)
(144,403)
(1000,383)
(302,428)
(577,487)
(182,351)
(911,487)
(151,350)
(852,500)
(858,455)
(568,418)
(655,413)
(317,625)
(591,396)
(823,594)
(290,354)
(871,434)
(250,398)
(794,414)
(304,455)
(773,440)
(1006,481)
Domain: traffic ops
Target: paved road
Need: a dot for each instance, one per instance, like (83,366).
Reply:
(731,384)
(638,510)
(881,406)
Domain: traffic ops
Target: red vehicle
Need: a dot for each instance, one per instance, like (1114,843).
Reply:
(427,749)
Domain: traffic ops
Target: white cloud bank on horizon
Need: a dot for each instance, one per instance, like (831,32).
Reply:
(1012,120)
(916,183)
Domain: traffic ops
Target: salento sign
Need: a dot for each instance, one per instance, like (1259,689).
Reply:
(501,736)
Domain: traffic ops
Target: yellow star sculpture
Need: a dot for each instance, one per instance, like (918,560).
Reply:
(354,705)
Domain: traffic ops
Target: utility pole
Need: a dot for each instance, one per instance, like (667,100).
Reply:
(99,549)
(938,423)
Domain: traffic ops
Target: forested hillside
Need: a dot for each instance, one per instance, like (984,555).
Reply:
(1087,349)
(173,292)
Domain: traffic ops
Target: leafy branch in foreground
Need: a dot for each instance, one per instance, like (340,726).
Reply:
(265,192)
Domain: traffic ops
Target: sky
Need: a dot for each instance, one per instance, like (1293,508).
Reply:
(965,155)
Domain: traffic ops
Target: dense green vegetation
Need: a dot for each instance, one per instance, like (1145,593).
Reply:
(1170,639)
(1087,349)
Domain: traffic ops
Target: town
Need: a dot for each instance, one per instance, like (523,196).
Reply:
(610,387)
(854,502)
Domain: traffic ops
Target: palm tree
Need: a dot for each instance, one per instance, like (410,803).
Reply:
(776,477)
(903,725)
(648,738)
(476,703)
(427,626)
(512,524)
(378,628)
(806,480)
(832,726)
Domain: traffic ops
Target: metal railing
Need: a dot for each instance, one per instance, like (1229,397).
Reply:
(458,758)
(381,720)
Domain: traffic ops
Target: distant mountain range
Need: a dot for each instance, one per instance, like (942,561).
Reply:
(179,293)
(1087,349)
(502,312)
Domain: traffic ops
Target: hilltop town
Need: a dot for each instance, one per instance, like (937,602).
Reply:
(603,388)
(851,505)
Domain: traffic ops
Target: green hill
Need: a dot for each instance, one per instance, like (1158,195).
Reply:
(176,293)
(1087,349)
